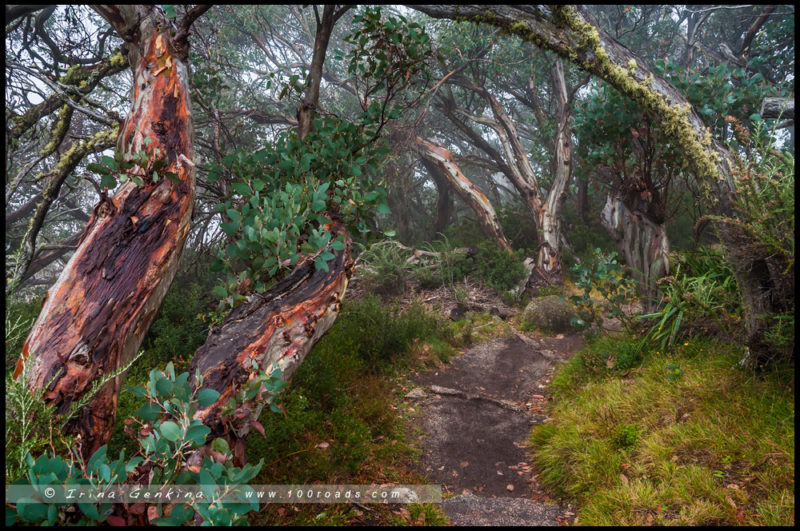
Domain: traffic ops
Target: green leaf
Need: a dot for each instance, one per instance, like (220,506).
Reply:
(197,434)
(138,391)
(242,189)
(220,292)
(108,161)
(89,510)
(108,181)
(30,510)
(320,264)
(207,396)
(220,445)
(170,430)
(229,228)
(98,457)
(97,168)
(164,387)
(148,412)
(234,215)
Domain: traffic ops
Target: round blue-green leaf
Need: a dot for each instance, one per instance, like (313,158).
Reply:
(164,387)
(220,445)
(206,397)
(170,430)
(31,510)
(148,412)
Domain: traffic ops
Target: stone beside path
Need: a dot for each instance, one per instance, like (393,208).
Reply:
(477,414)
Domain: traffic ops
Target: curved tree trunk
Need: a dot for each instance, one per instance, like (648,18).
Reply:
(517,167)
(476,199)
(95,316)
(278,327)
(642,243)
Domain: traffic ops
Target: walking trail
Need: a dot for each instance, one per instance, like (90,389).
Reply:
(477,414)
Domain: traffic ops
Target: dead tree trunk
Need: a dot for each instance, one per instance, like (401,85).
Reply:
(642,243)
(471,195)
(95,316)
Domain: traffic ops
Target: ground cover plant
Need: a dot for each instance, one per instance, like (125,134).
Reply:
(685,438)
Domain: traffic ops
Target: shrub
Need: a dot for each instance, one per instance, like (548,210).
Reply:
(386,333)
(20,316)
(385,268)
(605,275)
(497,268)
(168,433)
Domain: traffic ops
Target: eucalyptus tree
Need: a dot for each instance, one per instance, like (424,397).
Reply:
(95,316)
(287,262)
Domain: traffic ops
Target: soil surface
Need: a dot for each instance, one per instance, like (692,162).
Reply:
(477,414)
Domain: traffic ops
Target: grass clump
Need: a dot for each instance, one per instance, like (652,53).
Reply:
(684,439)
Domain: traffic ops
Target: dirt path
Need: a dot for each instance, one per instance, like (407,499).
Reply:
(477,414)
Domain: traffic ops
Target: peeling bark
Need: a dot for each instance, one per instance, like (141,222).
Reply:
(471,195)
(96,315)
(549,261)
(644,245)
(545,209)
(277,327)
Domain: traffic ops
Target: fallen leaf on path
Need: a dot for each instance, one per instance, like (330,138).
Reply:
(464,464)
(510,487)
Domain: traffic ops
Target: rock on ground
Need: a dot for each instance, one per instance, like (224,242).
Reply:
(550,313)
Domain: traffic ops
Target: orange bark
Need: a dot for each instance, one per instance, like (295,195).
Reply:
(278,327)
(95,316)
